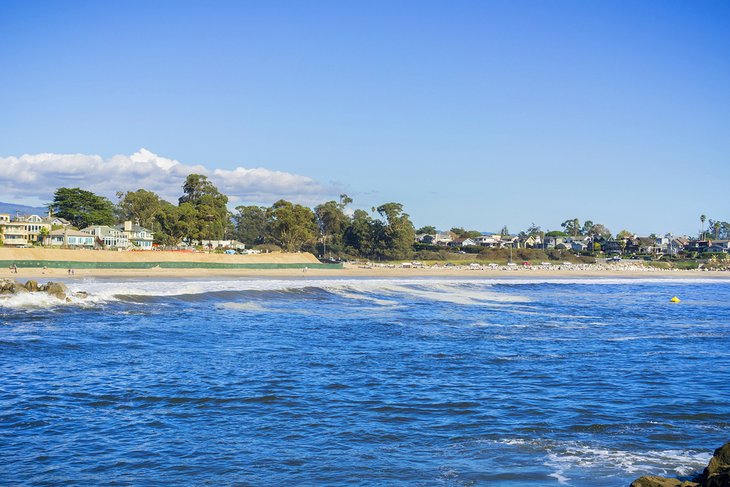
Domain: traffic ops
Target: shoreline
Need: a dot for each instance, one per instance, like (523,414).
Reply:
(350,270)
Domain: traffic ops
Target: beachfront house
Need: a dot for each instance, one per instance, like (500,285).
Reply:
(23,230)
(70,239)
(109,237)
(139,237)
(223,244)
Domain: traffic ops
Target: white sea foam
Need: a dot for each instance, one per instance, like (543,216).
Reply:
(470,291)
(567,458)
(456,291)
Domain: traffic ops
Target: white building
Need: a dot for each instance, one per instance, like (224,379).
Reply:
(139,237)
(112,238)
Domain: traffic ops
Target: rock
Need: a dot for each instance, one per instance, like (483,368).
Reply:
(717,473)
(81,294)
(31,286)
(6,285)
(56,289)
(653,481)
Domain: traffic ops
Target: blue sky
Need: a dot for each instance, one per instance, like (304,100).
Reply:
(474,114)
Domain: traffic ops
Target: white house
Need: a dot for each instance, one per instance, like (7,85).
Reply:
(112,238)
(139,237)
(488,240)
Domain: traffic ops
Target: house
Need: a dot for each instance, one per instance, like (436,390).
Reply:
(110,237)
(23,230)
(462,242)
(552,242)
(70,238)
(138,236)
(488,240)
(719,246)
(578,246)
(223,244)
(57,222)
(530,242)
(613,247)
(698,246)
(444,238)
(426,238)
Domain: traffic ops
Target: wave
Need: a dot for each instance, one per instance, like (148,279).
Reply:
(381,292)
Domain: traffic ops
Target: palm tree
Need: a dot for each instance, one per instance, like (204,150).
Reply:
(702,220)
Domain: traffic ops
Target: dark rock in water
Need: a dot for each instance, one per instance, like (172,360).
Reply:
(7,286)
(717,474)
(56,289)
(81,294)
(652,481)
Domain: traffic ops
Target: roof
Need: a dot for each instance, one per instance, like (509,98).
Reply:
(135,228)
(69,232)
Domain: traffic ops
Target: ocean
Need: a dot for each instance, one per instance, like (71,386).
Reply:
(534,382)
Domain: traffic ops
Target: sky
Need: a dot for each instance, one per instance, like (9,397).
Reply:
(475,114)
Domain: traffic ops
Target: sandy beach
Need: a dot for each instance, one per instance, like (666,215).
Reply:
(351,270)
(626,269)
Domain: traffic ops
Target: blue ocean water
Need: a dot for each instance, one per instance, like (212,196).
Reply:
(364,381)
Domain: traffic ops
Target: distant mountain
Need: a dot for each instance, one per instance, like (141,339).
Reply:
(11,208)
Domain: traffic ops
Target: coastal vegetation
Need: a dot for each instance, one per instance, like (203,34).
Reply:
(334,230)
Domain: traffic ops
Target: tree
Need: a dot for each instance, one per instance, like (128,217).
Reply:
(532,231)
(332,222)
(394,232)
(702,221)
(623,235)
(358,237)
(251,224)
(556,233)
(42,235)
(212,220)
(572,227)
(139,205)
(461,233)
(291,226)
(598,230)
(504,232)
(427,230)
(82,208)
(720,229)
(587,226)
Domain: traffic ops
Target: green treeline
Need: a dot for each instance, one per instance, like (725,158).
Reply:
(201,213)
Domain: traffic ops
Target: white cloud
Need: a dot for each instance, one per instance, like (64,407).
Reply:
(35,177)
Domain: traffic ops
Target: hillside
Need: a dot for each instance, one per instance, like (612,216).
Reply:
(12,208)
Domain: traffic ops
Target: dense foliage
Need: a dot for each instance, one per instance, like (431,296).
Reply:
(82,208)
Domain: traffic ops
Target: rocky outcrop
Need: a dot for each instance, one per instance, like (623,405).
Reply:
(717,474)
(56,289)
(652,481)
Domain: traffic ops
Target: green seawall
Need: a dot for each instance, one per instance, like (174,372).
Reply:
(61,264)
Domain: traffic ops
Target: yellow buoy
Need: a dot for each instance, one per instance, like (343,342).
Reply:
(675,299)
